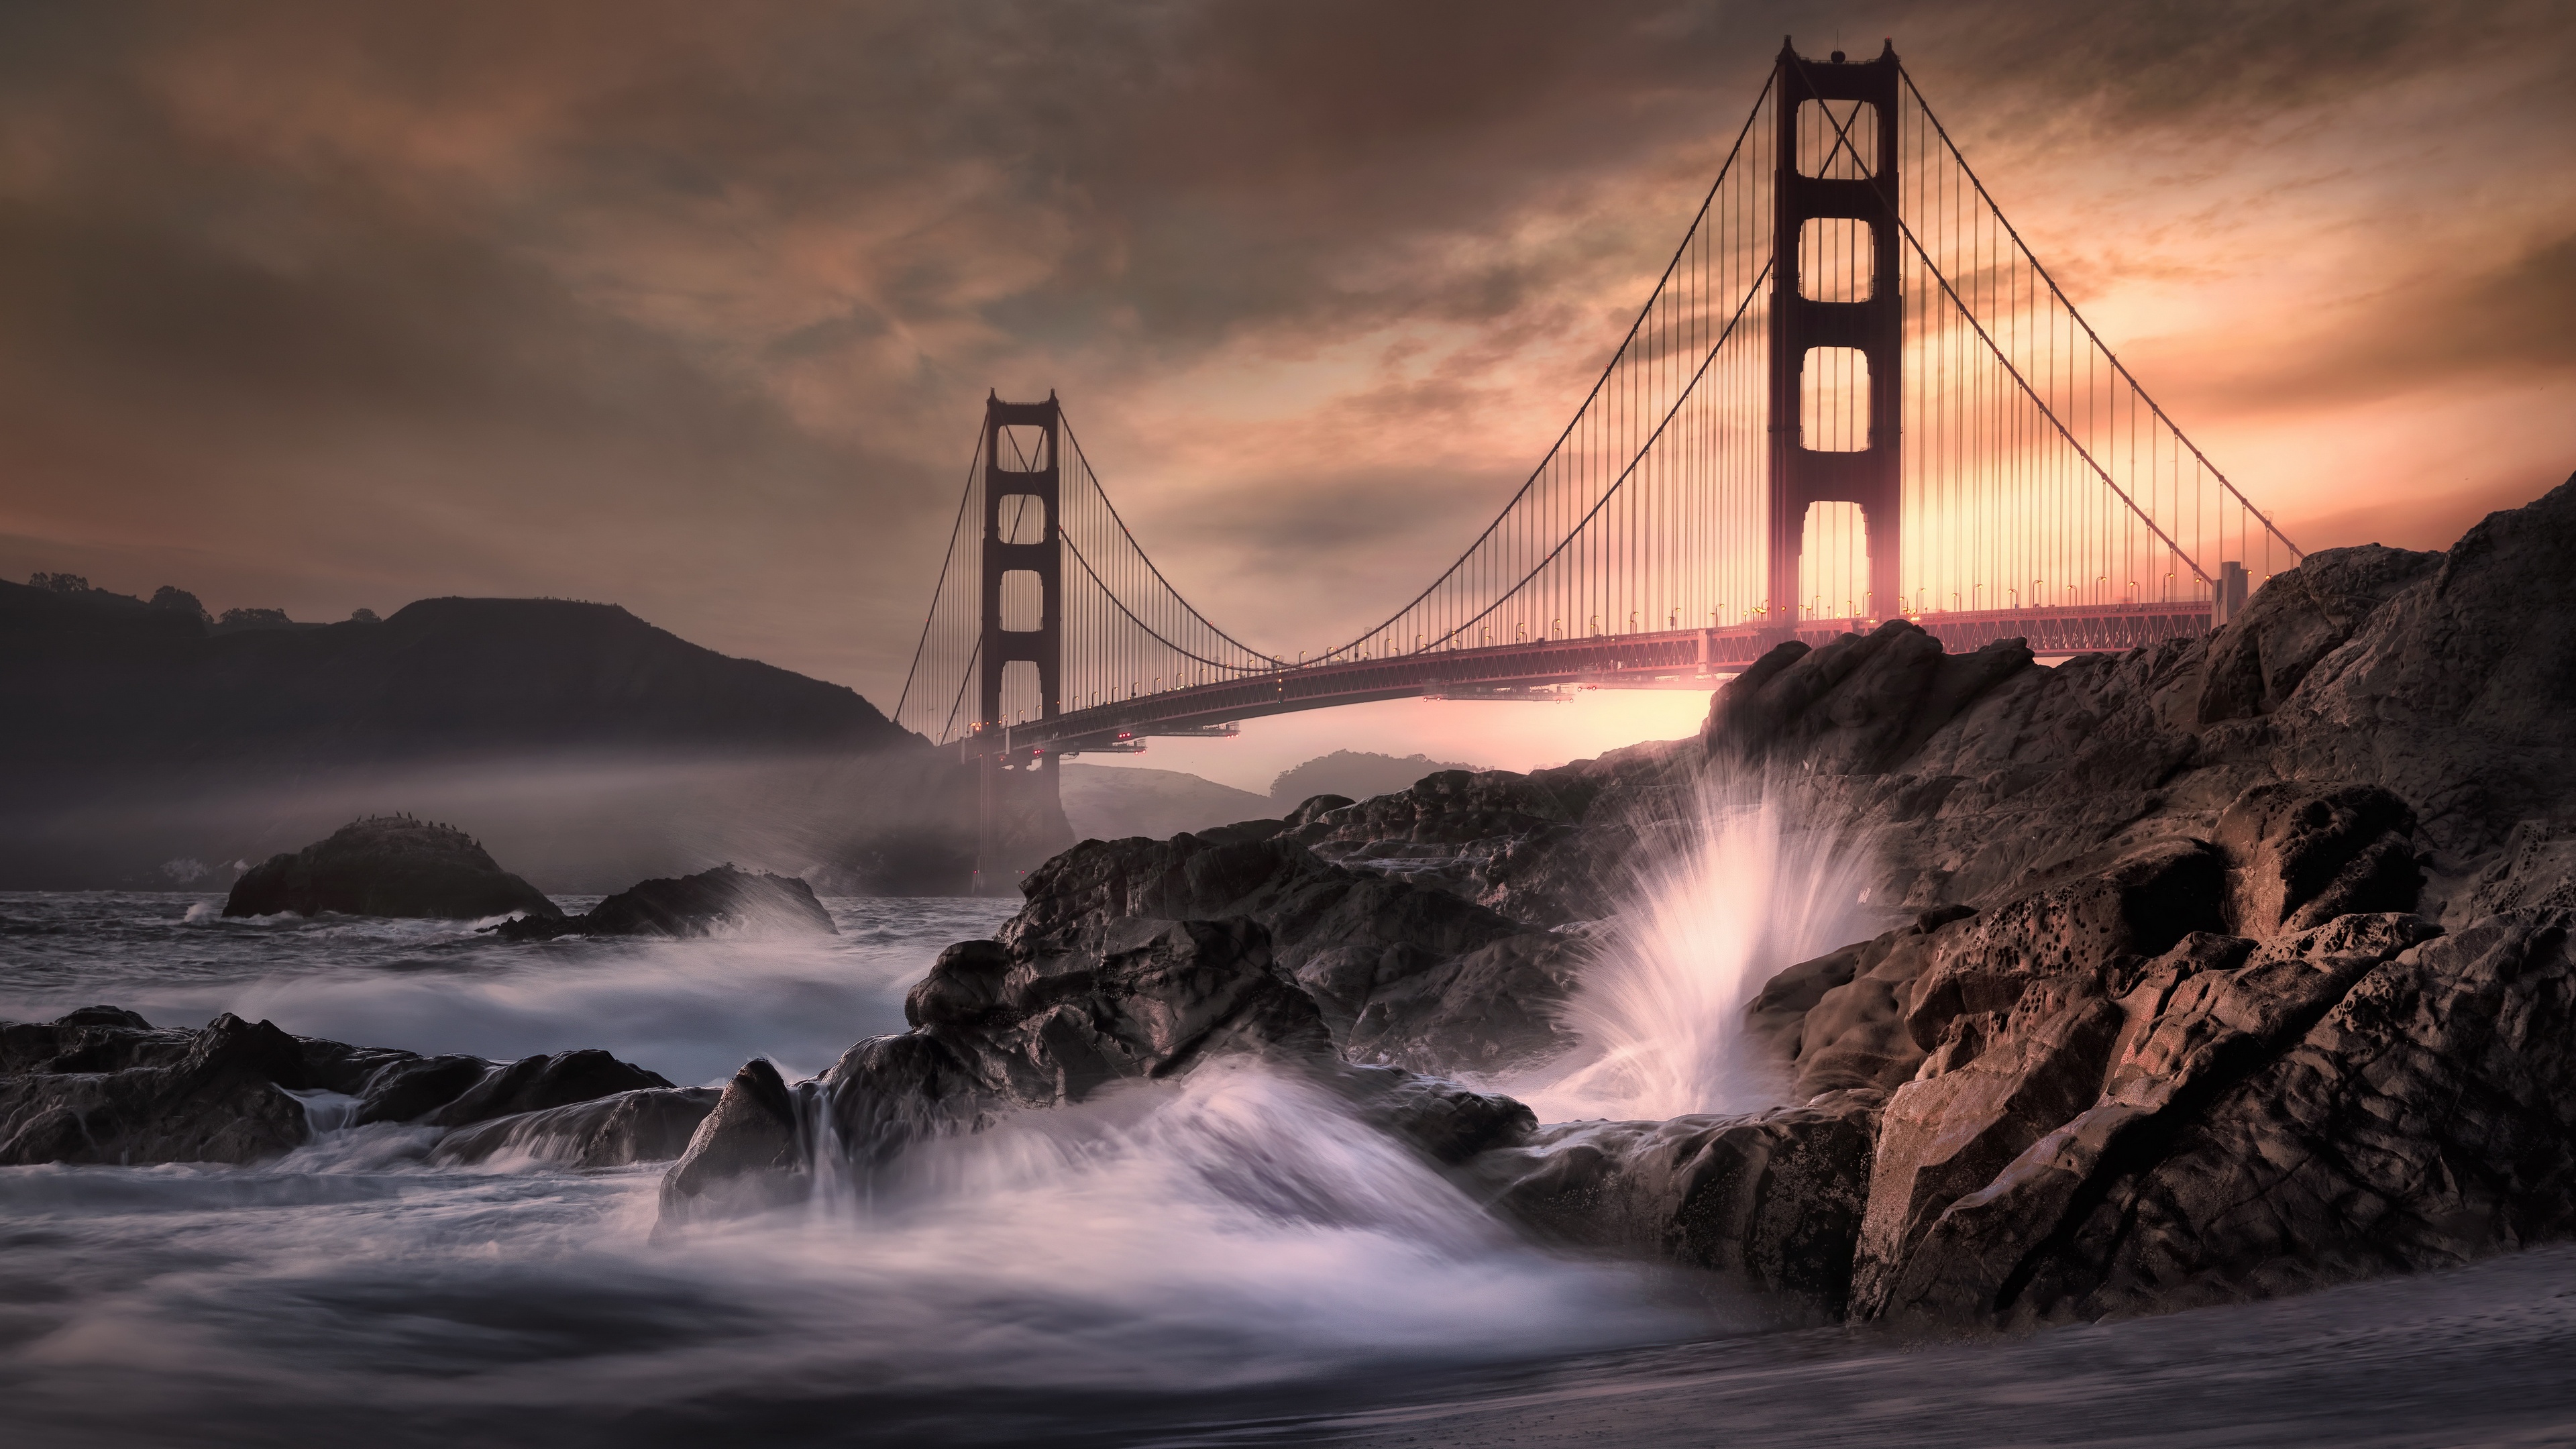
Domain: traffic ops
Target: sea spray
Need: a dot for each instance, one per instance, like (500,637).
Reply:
(1718,901)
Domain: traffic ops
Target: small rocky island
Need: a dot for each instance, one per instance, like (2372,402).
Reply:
(388,865)
(2210,971)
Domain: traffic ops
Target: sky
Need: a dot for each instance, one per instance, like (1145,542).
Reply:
(692,308)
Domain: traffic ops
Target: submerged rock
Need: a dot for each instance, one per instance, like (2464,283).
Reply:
(388,865)
(720,900)
(647,1124)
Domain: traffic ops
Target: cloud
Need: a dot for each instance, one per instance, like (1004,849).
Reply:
(694,307)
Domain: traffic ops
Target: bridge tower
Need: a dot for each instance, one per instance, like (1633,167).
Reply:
(1022,494)
(1807,189)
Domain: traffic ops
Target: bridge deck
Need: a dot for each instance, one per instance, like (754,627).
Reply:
(1677,656)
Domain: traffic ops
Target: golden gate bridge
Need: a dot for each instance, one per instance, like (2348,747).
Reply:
(1853,395)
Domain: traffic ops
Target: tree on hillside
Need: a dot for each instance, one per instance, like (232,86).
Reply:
(1356,773)
(181,601)
(59,583)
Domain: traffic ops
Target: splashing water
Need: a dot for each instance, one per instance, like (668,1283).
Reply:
(1731,895)
(1237,1234)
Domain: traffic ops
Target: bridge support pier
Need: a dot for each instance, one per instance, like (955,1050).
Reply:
(1822,185)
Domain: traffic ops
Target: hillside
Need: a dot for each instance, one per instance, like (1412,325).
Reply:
(146,747)
(1111,802)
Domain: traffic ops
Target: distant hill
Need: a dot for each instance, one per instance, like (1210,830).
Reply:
(143,744)
(1356,773)
(1109,802)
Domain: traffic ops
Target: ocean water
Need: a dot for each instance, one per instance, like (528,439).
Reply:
(1227,1260)
(1161,1253)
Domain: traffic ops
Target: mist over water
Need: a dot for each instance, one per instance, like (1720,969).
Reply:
(691,1010)
(1720,901)
(1166,1244)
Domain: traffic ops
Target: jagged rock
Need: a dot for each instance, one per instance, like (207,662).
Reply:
(78,1092)
(652,1124)
(1838,1021)
(2295,621)
(2299,856)
(532,1084)
(1855,706)
(2428,1118)
(1060,1007)
(1774,1198)
(722,899)
(2204,1017)
(1380,957)
(101,1085)
(388,865)
(2535,871)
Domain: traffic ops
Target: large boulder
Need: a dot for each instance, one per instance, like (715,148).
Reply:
(388,865)
(722,901)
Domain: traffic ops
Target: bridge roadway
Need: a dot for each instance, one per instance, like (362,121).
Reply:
(1671,658)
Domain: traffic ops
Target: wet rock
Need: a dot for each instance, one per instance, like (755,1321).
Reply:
(1058,1009)
(652,1124)
(1774,1199)
(746,1155)
(1447,1122)
(220,1096)
(388,865)
(534,1083)
(98,1085)
(722,900)
(707,904)
(410,1088)
(1382,958)
(1838,1021)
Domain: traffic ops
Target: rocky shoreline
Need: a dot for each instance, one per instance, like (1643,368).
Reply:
(2212,971)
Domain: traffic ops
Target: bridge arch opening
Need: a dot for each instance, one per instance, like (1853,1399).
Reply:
(1023,518)
(1833,400)
(1020,448)
(1023,603)
(1851,154)
(1836,259)
(1023,694)
(1833,570)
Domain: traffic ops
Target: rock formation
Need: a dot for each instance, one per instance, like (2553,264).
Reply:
(103,1085)
(720,900)
(2217,969)
(1065,1003)
(388,865)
